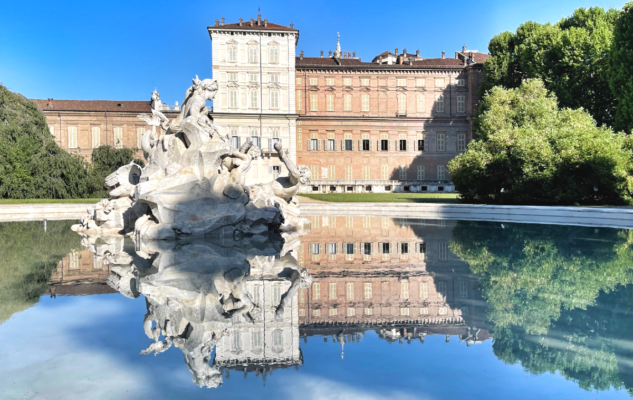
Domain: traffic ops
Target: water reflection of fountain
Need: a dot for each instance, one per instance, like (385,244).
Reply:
(238,297)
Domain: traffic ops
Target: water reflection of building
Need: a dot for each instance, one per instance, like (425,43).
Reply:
(396,277)
(271,340)
(80,273)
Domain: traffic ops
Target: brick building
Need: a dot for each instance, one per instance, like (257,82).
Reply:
(391,124)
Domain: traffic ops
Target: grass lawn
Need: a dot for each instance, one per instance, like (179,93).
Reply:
(47,201)
(385,197)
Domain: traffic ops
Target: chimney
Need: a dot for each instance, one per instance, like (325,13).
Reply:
(217,23)
(321,53)
(241,21)
(354,54)
(176,104)
(50,103)
(330,55)
(404,52)
(252,21)
(417,53)
(396,51)
(443,54)
(301,55)
(291,25)
(464,49)
(222,21)
(259,19)
(266,22)
(470,56)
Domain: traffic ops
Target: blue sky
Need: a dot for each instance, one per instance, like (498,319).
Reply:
(122,49)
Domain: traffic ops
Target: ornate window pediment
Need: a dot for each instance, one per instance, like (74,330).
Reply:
(253,85)
(232,85)
(274,85)
(273,44)
(232,41)
(253,43)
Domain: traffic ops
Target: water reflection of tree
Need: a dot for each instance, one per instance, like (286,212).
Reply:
(28,256)
(555,297)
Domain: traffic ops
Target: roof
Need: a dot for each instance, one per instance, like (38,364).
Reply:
(480,57)
(246,25)
(93,105)
(351,62)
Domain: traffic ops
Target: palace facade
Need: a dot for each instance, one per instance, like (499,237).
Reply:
(391,124)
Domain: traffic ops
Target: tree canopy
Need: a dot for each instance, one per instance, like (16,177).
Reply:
(529,151)
(621,66)
(571,57)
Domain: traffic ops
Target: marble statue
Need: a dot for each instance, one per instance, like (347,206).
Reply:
(194,182)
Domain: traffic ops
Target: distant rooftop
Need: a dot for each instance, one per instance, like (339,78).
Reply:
(253,24)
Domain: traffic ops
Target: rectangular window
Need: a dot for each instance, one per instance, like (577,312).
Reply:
(139,136)
(232,53)
(314,248)
(316,313)
(461,142)
(274,99)
(461,82)
(351,312)
(402,103)
(347,81)
(232,77)
(253,78)
(350,290)
(299,81)
(366,172)
(403,173)
(366,248)
(365,102)
(442,310)
(298,101)
(314,102)
(420,103)
(273,56)
(421,142)
(368,311)
(347,102)
(402,82)
(333,312)
(385,248)
(333,291)
(404,311)
(461,104)
(402,144)
(313,144)
(463,289)
(314,81)
(348,172)
(404,290)
(424,311)
(316,291)
(348,144)
(330,145)
(404,248)
(72,137)
(253,99)
(384,172)
(329,102)
(441,142)
(439,82)
(422,248)
(420,82)
(329,81)
(366,145)
(274,78)
(51,129)
(118,137)
(421,172)
(367,291)
(364,82)
(439,103)
(331,173)
(235,142)
(424,290)
(233,99)
(96,136)
(302,313)
(330,248)
(252,54)
(440,173)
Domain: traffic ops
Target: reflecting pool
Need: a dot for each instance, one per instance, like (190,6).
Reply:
(358,308)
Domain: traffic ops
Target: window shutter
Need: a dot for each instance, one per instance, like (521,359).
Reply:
(397,145)
(379,248)
(415,248)
(325,145)
(342,144)
(398,245)
(360,146)
(352,144)
(239,142)
(270,144)
(309,146)
(410,145)
(318,143)
(388,145)
(371,248)
(378,148)
(335,145)
(270,169)
(370,145)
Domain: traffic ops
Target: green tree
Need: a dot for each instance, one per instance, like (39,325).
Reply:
(529,151)
(570,57)
(31,163)
(106,160)
(621,64)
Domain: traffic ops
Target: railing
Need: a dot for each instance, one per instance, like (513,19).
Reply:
(369,182)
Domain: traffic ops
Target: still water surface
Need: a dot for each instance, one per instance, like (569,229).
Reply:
(358,308)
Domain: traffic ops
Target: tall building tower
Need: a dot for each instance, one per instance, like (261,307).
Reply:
(254,64)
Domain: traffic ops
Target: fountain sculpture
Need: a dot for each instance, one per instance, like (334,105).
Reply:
(193,183)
